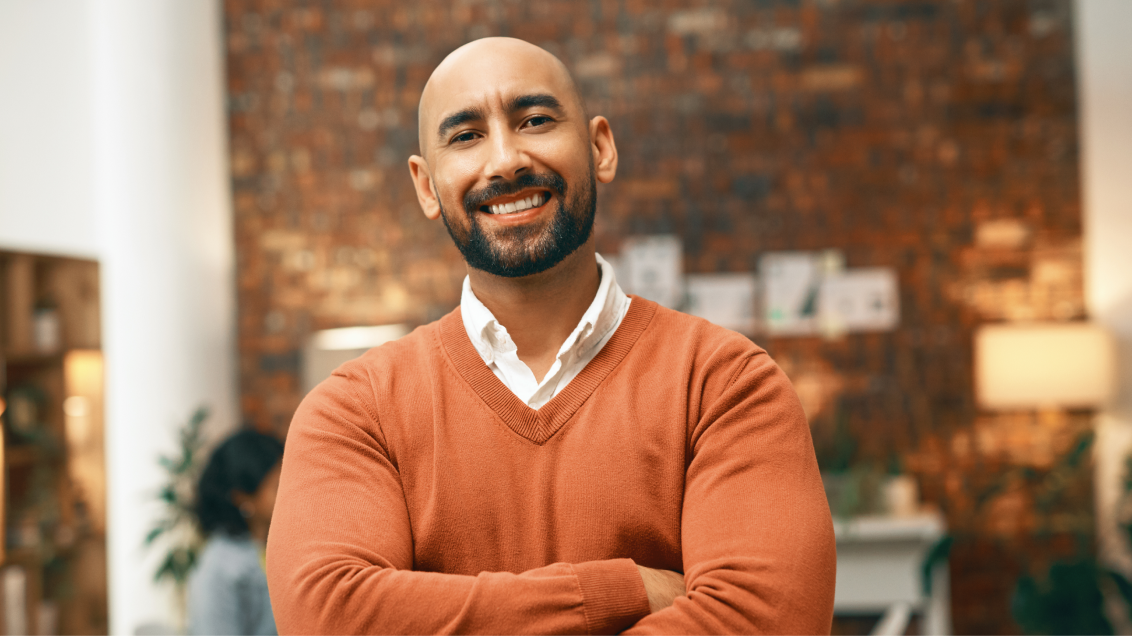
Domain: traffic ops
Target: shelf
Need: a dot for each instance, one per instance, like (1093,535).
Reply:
(925,526)
(32,359)
(50,484)
(22,454)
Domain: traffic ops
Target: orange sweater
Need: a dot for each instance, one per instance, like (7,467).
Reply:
(419,495)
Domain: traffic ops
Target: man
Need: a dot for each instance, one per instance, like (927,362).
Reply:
(553,456)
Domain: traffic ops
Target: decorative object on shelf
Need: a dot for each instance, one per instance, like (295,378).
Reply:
(177,525)
(25,408)
(901,496)
(14,583)
(46,328)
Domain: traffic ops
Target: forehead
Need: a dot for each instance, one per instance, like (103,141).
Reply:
(488,82)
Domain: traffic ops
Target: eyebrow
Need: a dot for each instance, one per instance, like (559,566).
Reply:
(518,103)
(533,101)
(461,117)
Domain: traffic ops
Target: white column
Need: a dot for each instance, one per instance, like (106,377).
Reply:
(1104,71)
(163,209)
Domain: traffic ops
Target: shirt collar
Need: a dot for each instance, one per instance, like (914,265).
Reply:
(490,338)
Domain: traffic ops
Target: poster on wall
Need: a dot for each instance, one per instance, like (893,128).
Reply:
(653,268)
(791,282)
(727,300)
(811,293)
(857,300)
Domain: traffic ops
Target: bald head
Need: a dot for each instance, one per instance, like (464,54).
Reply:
(500,123)
(487,68)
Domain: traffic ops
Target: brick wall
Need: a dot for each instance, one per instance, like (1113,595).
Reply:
(937,138)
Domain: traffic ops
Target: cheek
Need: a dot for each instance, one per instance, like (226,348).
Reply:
(566,155)
(453,179)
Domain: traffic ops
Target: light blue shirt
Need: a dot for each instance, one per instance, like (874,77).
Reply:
(228,589)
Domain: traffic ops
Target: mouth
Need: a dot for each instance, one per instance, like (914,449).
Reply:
(515,203)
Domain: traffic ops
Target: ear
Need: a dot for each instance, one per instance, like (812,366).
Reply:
(604,149)
(422,181)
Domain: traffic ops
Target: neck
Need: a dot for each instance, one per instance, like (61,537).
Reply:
(540,311)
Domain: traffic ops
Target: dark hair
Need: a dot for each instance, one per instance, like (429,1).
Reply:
(238,463)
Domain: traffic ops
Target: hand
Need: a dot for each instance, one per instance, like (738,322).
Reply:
(662,586)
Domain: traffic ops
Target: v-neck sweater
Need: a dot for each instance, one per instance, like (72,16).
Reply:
(419,495)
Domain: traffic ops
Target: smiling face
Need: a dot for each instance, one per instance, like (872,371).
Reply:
(510,162)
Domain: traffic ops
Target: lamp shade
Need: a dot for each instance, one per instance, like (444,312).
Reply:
(1044,365)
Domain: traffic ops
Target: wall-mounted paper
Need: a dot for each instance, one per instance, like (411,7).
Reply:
(654,268)
(790,286)
(728,300)
(865,299)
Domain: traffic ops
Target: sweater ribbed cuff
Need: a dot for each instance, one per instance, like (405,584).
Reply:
(613,594)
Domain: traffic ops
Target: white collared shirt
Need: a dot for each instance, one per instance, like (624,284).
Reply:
(500,354)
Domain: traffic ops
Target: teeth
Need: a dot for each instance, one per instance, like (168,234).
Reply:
(518,206)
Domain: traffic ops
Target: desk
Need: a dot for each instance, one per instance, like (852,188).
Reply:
(879,565)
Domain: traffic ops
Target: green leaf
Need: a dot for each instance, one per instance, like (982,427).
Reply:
(181,556)
(154,533)
(1068,600)
(938,552)
(1122,584)
(1080,451)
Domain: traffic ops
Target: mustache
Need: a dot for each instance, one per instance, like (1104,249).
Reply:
(552,181)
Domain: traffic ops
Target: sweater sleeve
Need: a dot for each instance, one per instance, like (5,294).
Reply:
(340,549)
(757,537)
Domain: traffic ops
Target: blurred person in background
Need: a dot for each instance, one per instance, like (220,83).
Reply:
(235,499)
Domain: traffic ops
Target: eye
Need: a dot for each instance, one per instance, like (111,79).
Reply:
(463,137)
(538,120)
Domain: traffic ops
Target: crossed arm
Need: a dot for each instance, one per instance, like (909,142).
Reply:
(757,539)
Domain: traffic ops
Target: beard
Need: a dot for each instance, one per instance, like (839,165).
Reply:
(517,251)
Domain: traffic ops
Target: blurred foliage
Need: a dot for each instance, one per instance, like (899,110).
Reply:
(1068,598)
(177,523)
(836,451)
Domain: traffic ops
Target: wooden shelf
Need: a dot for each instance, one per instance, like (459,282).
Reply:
(21,455)
(31,359)
(54,486)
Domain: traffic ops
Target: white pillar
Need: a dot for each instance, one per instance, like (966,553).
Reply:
(1104,71)
(163,209)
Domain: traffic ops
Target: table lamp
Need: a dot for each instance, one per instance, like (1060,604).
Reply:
(1044,366)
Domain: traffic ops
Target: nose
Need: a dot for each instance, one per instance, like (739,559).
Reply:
(506,156)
